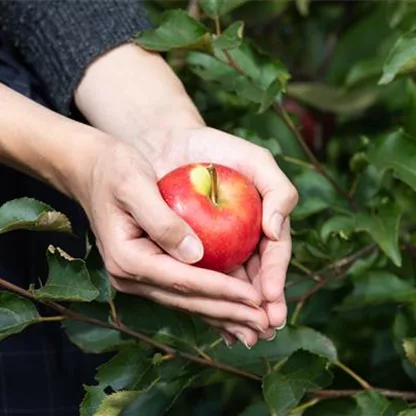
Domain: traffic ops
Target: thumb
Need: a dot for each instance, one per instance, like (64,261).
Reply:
(164,226)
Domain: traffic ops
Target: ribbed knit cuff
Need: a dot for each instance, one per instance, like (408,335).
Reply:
(59,38)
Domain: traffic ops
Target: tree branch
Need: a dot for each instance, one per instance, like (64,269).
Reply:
(125,330)
(172,352)
(405,395)
(281,112)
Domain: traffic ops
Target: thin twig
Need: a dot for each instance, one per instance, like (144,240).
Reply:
(172,352)
(347,260)
(125,330)
(52,318)
(280,111)
(405,395)
(364,384)
(194,10)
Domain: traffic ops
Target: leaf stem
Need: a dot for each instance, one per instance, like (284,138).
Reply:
(304,406)
(52,318)
(217,25)
(279,110)
(298,162)
(305,270)
(364,384)
(296,312)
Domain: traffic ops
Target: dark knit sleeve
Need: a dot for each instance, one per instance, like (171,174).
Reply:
(59,38)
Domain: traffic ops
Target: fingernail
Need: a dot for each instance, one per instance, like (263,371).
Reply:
(243,341)
(260,328)
(272,337)
(282,326)
(227,340)
(190,249)
(276,224)
(252,304)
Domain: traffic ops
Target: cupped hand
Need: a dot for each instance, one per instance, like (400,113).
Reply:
(148,249)
(266,269)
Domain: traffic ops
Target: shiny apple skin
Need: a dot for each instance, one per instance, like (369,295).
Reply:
(230,230)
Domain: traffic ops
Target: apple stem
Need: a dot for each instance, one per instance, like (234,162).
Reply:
(214,183)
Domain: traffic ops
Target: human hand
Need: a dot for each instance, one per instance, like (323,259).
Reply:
(154,113)
(133,224)
(266,269)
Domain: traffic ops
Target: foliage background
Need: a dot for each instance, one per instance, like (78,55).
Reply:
(332,96)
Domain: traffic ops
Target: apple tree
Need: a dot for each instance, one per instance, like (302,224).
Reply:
(328,87)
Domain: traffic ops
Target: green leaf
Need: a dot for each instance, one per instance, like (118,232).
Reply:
(271,144)
(289,340)
(68,279)
(383,228)
(16,313)
(231,37)
(284,388)
(30,214)
(259,67)
(340,225)
(409,346)
(374,404)
(215,8)
(99,276)
(164,324)
(115,403)
(402,58)
(303,7)
(260,78)
(90,337)
(93,398)
(410,126)
(378,287)
(409,412)
(155,400)
(335,100)
(257,409)
(396,151)
(177,30)
(125,370)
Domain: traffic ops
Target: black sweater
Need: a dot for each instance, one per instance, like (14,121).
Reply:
(57,39)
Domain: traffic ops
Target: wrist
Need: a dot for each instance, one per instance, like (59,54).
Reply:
(129,92)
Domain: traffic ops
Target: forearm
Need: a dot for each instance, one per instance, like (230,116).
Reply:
(130,92)
(44,144)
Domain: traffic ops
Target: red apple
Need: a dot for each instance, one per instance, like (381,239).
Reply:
(223,208)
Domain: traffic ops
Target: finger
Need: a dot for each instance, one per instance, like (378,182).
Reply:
(277,313)
(142,198)
(144,261)
(253,271)
(275,257)
(256,319)
(240,273)
(245,335)
(279,195)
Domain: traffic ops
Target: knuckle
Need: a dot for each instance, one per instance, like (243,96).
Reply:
(293,196)
(167,232)
(182,287)
(265,154)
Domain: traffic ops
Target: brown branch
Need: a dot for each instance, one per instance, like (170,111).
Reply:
(281,112)
(172,352)
(346,261)
(194,10)
(125,330)
(405,395)
(338,266)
